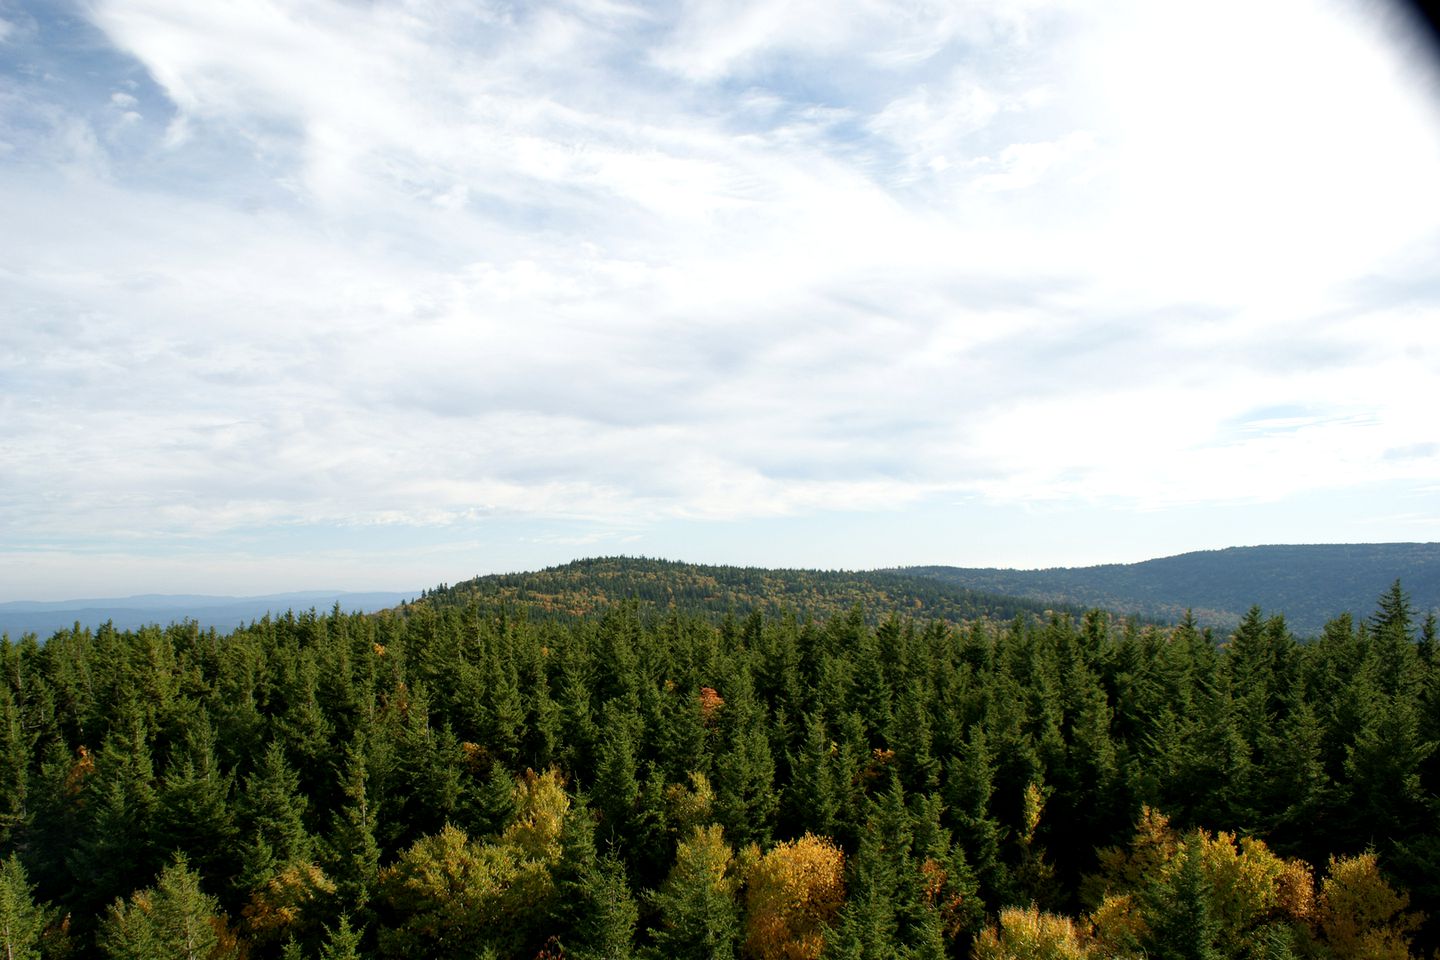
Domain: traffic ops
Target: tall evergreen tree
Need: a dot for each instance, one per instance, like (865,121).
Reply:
(15,751)
(118,842)
(745,798)
(341,943)
(194,814)
(616,793)
(352,850)
(605,924)
(273,812)
(1185,927)
(301,725)
(912,740)
(22,920)
(698,916)
(969,787)
(174,920)
(812,799)
(867,927)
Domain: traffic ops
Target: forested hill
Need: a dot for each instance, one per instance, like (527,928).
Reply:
(1309,583)
(586,586)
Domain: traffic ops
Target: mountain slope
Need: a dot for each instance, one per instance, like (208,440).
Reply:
(1309,584)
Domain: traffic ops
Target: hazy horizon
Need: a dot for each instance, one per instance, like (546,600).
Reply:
(182,600)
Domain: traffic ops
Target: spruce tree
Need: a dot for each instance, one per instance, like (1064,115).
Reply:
(540,744)
(502,714)
(912,740)
(812,799)
(302,726)
(1383,764)
(490,806)
(651,841)
(866,927)
(616,794)
(872,696)
(341,943)
(575,698)
(174,920)
(681,735)
(745,798)
(1393,613)
(605,922)
(194,813)
(273,811)
(15,749)
(22,920)
(577,857)
(118,840)
(969,788)
(352,850)
(699,918)
(1426,644)
(1184,927)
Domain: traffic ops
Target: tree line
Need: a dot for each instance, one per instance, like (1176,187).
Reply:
(462,781)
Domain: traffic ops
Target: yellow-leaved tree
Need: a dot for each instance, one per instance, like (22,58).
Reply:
(446,894)
(1360,916)
(792,893)
(1032,934)
(1218,895)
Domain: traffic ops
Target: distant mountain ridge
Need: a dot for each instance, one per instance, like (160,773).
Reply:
(1309,583)
(223,613)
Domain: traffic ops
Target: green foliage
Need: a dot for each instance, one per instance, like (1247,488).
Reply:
(446,893)
(352,850)
(366,785)
(1184,925)
(341,943)
(174,920)
(604,928)
(698,916)
(273,811)
(22,920)
(15,750)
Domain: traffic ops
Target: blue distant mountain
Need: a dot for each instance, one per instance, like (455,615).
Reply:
(1308,583)
(223,613)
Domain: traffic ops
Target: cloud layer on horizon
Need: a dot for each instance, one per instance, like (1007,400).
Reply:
(311,263)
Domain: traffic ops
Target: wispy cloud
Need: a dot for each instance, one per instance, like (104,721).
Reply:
(306,263)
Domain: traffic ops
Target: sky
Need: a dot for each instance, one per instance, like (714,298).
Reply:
(378,295)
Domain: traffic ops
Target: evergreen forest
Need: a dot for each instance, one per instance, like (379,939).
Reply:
(469,777)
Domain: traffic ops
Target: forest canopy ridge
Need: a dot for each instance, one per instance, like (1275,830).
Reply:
(455,782)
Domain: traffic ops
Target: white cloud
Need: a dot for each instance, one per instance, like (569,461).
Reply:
(586,260)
